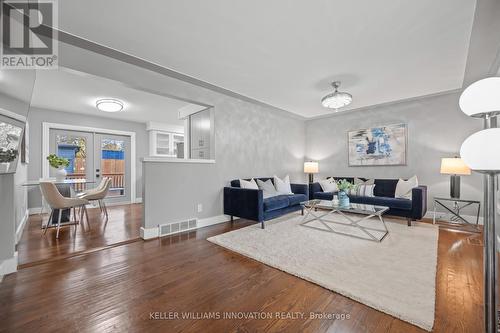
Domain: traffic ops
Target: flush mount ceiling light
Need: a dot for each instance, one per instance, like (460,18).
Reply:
(109,105)
(337,99)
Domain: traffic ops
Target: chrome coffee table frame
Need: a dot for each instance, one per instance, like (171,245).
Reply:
(312,206)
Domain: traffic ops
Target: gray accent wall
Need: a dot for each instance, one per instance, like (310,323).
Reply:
(13,197)
(38,116)
(436,128)
(7,218)
(250,141)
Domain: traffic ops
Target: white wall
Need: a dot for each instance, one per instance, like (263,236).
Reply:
(38,116)
(436,129)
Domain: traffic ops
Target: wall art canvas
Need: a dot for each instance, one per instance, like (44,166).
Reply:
(10,137)
(381,145)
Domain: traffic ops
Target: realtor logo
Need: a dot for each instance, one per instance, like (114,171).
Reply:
(28,40)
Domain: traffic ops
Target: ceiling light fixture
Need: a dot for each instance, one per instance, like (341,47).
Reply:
(337,99)
(109,105)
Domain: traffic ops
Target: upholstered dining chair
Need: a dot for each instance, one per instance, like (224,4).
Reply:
(98,194)
(56,201)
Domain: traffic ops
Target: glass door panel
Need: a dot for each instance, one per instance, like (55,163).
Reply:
(178,140)
(163,144)
(75,147)
(112,154)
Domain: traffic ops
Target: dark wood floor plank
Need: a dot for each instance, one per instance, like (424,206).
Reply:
(123,224)
(116,289)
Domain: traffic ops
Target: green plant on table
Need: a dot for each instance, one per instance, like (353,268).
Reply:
(343,185)
(57,162)
(8,155)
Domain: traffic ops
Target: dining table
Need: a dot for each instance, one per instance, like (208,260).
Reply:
(64,187)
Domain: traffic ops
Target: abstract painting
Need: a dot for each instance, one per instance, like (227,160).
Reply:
(10,136)
(381,145)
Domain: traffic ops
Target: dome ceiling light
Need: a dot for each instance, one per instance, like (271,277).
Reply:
(337,99)
(109,105)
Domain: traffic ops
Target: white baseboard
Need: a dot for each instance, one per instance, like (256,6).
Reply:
(149,233)
(138,200)
(20,227)
(440,215)
(213,220)
(8,265)
(153,232)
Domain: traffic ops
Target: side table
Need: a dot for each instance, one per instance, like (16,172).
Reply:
(454,206)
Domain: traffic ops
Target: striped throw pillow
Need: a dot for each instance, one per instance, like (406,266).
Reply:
(362,190)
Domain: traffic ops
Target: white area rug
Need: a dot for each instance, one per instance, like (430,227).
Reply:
(396,276)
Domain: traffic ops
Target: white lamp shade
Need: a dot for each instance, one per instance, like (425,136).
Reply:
(480,151)
(481,97)
(311,167)
(454,166)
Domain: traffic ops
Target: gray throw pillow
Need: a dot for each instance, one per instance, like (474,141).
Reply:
(267,188)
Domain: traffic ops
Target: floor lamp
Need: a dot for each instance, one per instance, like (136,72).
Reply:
(480,152)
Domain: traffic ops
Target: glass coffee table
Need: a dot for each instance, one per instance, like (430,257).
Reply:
(357,220)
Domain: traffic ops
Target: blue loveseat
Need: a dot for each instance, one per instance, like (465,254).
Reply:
(250,204)
(384,193)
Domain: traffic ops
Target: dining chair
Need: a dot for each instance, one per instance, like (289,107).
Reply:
(98,194)
(56,201)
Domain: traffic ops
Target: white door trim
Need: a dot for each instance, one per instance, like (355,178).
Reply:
(46,127)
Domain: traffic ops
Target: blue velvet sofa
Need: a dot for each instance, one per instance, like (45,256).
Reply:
(384,192)
(250,204)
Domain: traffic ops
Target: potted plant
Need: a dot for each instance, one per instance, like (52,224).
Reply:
(6,157)
(58,163)
(343,186)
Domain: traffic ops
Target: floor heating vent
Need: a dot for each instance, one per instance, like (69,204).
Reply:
(176,227)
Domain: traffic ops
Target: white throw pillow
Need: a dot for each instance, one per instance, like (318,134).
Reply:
(404,187)
(267,188)
(328,185)
(249,184)
(283,185)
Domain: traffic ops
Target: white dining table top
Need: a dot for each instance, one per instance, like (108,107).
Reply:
(59,182)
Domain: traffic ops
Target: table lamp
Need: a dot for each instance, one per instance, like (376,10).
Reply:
(455,167)
(480,153)
(311,168)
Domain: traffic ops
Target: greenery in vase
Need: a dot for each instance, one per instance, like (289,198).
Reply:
(8,155)
(343,185)
(57,162)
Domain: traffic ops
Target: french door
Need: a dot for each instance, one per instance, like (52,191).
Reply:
(94,156)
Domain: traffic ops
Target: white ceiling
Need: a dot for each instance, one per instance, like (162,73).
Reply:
(284,52)
(17,84)
(72,91)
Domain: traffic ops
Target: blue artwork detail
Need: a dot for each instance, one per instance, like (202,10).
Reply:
(379,143)
(383,145)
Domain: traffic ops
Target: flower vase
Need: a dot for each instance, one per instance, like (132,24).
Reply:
(343,199)
(61,173)
(4,167)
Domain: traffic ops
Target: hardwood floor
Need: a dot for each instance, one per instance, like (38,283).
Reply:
(123,226)
(119,288)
